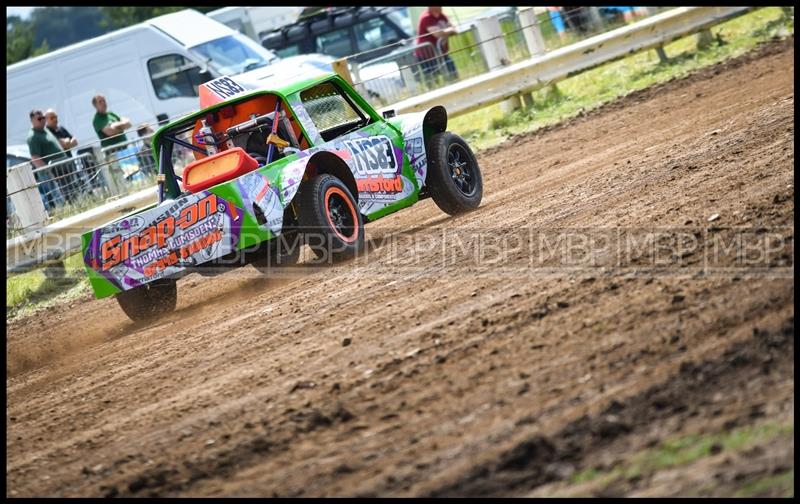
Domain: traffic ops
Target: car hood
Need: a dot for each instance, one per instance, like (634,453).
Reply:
(20,150)
(309,65)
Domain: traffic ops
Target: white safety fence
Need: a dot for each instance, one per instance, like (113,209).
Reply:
(479,47)
(514,81)
(505,80)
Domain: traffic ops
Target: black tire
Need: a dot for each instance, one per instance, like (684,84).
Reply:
(150,300)
(329,218)
(454,177)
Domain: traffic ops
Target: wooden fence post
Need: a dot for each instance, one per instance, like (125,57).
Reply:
(493,46)
(341,68)
(532,31)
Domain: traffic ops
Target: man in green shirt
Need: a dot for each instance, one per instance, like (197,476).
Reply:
(109,126)
(45,149)
(110,129)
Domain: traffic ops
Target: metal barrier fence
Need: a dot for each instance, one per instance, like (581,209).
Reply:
(87,178)
(483,46)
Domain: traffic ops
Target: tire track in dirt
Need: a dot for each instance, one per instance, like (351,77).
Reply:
(690,393)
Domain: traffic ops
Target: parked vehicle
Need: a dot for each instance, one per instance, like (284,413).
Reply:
(294,162)
(17,154)
(149,72)
(342,32)
(251,21)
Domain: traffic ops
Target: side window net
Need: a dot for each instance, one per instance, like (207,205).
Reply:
(328,108)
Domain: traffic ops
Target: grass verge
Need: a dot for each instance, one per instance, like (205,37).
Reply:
(32,291)
(684,450)
(490,126)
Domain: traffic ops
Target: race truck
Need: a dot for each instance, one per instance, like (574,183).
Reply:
(264,169)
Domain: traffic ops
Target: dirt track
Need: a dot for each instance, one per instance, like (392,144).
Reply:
(461,377)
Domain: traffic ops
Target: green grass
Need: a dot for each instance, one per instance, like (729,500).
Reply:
(490,126)
(32,291)
(781,485)
(684,450)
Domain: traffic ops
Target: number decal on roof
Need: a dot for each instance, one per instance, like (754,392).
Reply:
(224,87)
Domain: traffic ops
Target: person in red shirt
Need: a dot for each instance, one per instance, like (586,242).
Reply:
(435,28)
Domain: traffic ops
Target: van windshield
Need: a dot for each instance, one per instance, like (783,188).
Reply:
(231,55)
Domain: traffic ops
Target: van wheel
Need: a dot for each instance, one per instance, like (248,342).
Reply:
(150,300)
(454,177)
(329,218)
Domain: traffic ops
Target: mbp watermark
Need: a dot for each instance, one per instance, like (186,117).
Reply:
(500,251)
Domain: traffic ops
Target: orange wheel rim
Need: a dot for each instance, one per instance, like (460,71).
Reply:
(342,214)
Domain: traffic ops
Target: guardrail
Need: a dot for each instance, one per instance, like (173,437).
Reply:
(55,241)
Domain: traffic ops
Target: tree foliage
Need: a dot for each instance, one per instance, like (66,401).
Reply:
(20,41)
(120,17)
(50,28)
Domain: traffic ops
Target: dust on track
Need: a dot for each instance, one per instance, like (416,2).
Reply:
(250,389)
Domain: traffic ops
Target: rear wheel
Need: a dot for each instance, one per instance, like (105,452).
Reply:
(150,300)
(329,218)
(454,177)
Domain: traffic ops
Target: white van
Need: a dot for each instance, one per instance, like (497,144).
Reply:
(148,72)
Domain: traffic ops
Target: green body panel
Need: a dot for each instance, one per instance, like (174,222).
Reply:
(284,174)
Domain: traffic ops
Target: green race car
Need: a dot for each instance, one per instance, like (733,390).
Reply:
(262,170)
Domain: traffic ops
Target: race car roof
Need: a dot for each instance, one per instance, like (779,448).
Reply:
(223,89)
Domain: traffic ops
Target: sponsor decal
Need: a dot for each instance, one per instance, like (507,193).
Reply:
(373,156)
(224,87)
(160,242)
(415,147)
(256,190)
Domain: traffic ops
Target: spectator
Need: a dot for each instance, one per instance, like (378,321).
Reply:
(64,137)
(145,155)
(66,174)
(577,18)
(628,13)
(43,145)
(434,28)
(110,129)
(558,22)
(109,126)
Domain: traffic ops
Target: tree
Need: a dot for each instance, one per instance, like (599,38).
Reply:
(120,17)
(19,41)
(63,26)
(51,28)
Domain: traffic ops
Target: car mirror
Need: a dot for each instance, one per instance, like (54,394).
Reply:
(388,114)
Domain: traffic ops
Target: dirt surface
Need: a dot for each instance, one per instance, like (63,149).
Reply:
(459,357)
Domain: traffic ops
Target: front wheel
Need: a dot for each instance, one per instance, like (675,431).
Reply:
(329,218)
(454,177)
(150,300)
